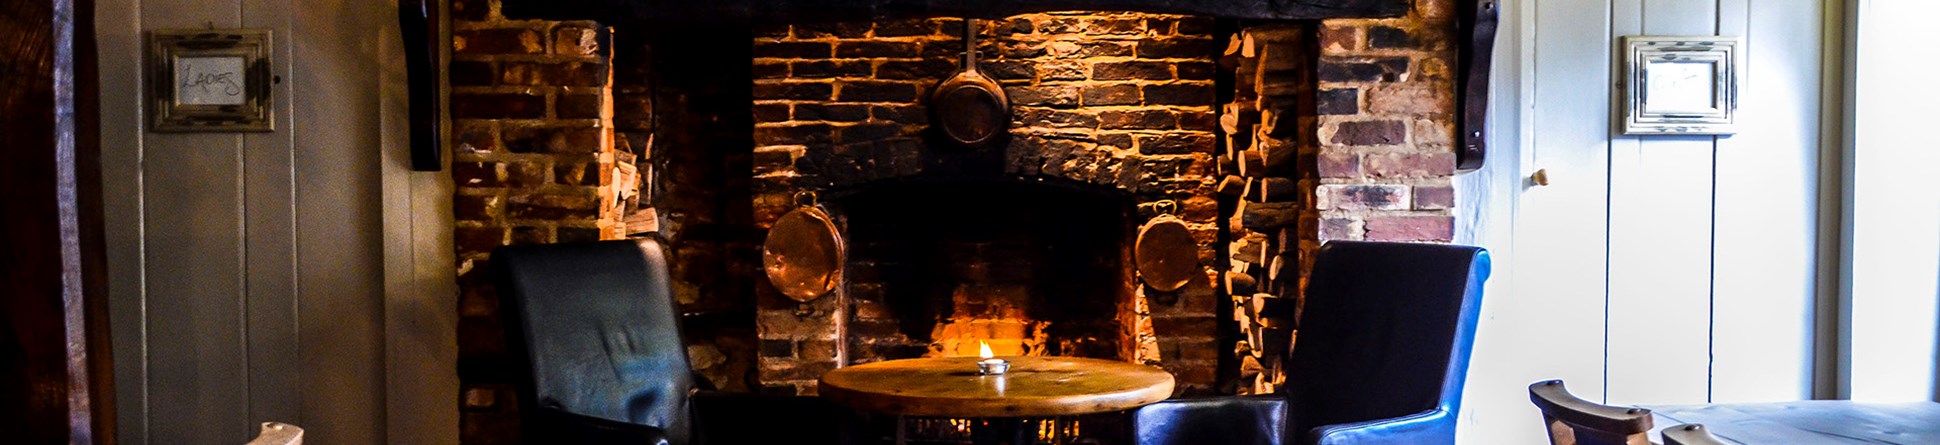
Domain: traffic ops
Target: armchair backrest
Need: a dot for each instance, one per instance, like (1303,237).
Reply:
(598,324)
(1385,332)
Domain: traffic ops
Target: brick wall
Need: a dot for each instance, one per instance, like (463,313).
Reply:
(1386,126)
(532,160)
(1122,102)
(1353,116)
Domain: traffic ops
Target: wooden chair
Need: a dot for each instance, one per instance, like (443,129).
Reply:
(277,433)
(1691,434)
(1574,421)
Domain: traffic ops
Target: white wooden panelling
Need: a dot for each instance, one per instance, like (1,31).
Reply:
(270,237)
(1496,403)
(339,219)
(1896,229)
(118,32)
(1691,224)
(1560,228)
(1767,207)
(245,270)
(1660,238)
(420,324)
(193,247)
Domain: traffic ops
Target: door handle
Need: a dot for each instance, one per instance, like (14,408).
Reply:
(1540,178)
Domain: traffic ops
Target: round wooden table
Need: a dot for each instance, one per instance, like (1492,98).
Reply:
(1035,387)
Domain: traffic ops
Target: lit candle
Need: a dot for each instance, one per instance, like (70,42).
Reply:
(990,365)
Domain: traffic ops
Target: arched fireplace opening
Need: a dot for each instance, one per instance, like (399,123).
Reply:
(1028,267)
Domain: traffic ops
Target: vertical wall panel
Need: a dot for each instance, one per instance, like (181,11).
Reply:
(194,252)
(268,184)
(1767,207)
(1660,238)
(339,221)
(1560,228)
(118,32)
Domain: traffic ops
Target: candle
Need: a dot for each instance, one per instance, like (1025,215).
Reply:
(990,365)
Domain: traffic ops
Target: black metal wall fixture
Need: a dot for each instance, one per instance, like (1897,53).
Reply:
(1478,26)
(418,25)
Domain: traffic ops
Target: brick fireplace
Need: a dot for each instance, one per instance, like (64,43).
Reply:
(1112,113)
(1264,138)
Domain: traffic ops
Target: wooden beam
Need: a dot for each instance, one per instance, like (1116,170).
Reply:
(50,273)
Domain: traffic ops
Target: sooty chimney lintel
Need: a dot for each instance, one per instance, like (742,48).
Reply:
(803,11)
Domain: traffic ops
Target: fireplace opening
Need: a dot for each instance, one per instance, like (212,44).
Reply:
(936,267)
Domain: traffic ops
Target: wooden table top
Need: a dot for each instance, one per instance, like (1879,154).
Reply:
(1034,387)
(1813,422)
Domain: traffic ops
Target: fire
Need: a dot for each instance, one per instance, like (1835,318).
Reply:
(983,349)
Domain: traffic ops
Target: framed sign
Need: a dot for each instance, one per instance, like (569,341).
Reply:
(1679,85)
(209,80)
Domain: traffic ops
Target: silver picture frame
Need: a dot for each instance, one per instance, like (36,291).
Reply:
(209,80)
(1678,85)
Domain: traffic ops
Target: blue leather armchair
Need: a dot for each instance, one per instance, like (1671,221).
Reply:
(596,323)
(1382,353)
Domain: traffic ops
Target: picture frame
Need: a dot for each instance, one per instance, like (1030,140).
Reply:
(210,80)
(1678,85)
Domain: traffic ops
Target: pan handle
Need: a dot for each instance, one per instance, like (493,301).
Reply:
(969,44)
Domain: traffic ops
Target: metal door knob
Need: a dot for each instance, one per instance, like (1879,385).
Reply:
(1540,178)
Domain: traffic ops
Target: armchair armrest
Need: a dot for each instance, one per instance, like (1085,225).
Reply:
(1252,420)
(1431,427)
(564,427)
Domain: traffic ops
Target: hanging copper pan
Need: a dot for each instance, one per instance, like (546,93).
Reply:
(969,109)
(1166,255)
(804,253)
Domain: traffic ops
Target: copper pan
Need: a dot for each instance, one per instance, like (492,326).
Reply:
(1166,255)
(804,253)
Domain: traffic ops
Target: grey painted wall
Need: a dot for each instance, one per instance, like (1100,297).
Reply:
(257,277)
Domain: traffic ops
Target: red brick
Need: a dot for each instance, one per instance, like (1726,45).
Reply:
(568,74)
(476,208)
(478,239)
(497,41)
(1139,70)
(1434,197)
(1340,38)
(1366,196)
(584,140)
(1339,165)
(1417,100)
(1339,229)
(1411,228)
(1371,133)
(1410,165)
(476,174)
(575,41)
(498,106)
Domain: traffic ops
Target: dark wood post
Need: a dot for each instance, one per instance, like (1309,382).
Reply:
(51,282)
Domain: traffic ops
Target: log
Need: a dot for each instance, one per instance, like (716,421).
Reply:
(1252,163)
(1271,190)
(1233,186)
(1241,283)
(1271,311)
(1238,117)
(1266,217)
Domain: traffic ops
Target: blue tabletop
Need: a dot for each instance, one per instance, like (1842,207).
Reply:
(1810,422)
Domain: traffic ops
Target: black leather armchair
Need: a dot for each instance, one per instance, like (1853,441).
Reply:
(596,323)
(1382,352)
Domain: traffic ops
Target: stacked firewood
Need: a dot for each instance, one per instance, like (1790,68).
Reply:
(1268,129)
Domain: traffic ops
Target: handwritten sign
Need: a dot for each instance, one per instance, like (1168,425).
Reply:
(209,80)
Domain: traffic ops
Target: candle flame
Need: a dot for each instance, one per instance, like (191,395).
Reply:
(983,349)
